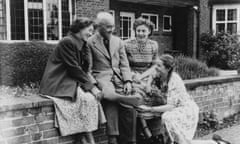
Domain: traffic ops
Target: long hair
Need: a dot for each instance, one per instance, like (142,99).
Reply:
(169,63)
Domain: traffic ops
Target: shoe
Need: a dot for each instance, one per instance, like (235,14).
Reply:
(112,140)
(219,139)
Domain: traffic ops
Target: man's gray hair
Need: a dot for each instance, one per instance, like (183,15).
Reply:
(103,17)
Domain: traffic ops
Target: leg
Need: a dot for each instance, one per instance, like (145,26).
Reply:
(127,125)
(111,113)
(110,94)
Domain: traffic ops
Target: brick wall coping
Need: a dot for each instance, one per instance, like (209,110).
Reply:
(17,103)
(194,83)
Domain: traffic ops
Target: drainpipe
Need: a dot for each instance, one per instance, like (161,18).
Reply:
(197,14)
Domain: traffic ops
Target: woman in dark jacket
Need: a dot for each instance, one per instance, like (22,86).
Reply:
(72,89)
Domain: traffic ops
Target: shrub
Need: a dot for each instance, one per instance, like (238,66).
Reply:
(23,63)
(221,50)
(190,68)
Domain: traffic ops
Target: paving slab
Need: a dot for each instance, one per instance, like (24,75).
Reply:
(231,134)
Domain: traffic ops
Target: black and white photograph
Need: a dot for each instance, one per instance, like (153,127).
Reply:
(119,71)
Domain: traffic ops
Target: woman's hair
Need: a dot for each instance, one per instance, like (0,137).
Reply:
(143,21)
(79,24)
(169,63)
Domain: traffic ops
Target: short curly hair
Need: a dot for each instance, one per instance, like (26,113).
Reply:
(142,21)
(80,24)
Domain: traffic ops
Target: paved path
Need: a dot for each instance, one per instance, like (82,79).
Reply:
(231,134)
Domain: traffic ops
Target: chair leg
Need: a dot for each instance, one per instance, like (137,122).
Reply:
(90,138)
(146,130)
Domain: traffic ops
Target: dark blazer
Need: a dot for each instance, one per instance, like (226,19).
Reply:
(64,69)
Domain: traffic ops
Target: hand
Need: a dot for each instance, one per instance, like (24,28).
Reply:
(136,78)
(144,108)
(97,93)
(148,88)
(127,88)
(99,96)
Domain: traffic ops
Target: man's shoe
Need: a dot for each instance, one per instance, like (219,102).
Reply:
(219,139)
(112,140)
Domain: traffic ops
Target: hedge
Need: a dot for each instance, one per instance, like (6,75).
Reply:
(190,68)
(221,50)
(23,62)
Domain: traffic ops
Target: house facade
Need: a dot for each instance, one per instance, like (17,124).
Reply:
(178,23)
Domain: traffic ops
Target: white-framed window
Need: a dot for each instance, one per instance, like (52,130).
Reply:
(153,18)
(47,20)
(167,23)
(226,18)
(3,20)
(126,25)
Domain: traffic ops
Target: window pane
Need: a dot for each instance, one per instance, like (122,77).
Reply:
(220,27)
(125,27)
(145,16)
(52,20)
(35,19)
(232,28)
(17,19)
(232,14)
(167,23)
(221,15)
(65,17)
(153,19)
(3,30)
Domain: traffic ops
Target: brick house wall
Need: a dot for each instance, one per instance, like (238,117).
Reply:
(89,8)
(184,42)
(164,39)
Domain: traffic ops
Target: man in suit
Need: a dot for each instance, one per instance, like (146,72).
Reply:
(109,65)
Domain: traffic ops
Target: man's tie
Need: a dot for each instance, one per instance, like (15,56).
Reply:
(106,44)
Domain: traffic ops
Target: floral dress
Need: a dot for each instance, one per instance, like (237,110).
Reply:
(84,114)
(181,122)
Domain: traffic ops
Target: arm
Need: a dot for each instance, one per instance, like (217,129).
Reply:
(156,109)
(124,64)
(68,53)
(89,62)
(155,54)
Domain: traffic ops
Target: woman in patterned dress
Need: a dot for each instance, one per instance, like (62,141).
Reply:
(142,53)
(72,90)
(180,114)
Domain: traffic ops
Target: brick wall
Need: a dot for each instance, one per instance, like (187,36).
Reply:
(34,124)
(204,16)
(219,94)
(30,120)
(89,8)
(204,21)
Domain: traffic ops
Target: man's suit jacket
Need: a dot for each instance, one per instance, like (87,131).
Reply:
(102,64)
(64,70)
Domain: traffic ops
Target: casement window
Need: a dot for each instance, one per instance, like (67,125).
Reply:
(25,20)
(126,25)
(226,18)
(167,23)
(153,18)
(3,20)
